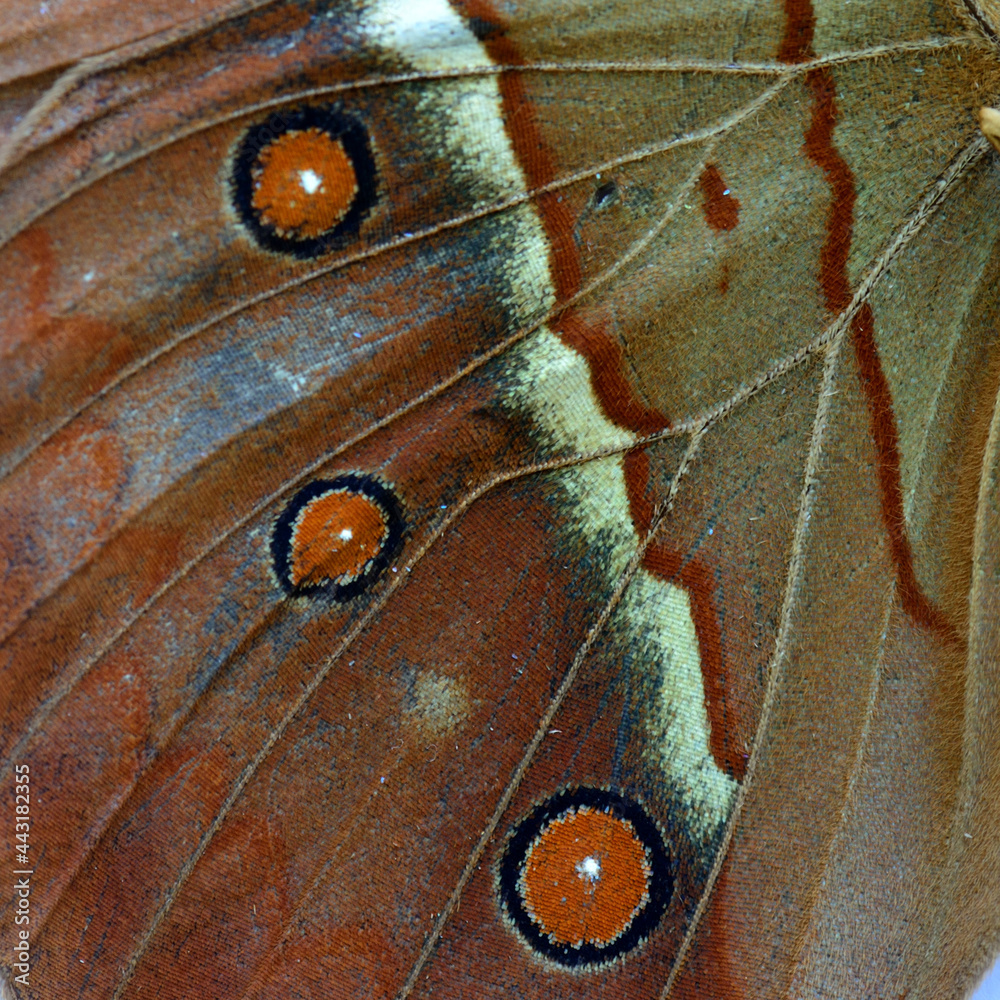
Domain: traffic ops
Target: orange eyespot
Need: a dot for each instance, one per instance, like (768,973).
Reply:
(585,877)
(304,184)
(334,536)
(338,534)
(304,180)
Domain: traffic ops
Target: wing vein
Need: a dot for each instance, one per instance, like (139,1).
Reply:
(658,149)
(397,581)
(830,340)
(545,722)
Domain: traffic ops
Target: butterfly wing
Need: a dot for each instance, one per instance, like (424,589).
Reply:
(665,466)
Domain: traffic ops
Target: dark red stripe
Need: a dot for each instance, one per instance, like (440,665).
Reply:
(532,154)
(840,215)
(636,469)
(820,148)
(883,423)
(617,397)
(721,208)
(618,400)
(800,24)
(694,577)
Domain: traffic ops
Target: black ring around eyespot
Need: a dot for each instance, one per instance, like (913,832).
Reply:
(661,882)
(367,486)
(354,139)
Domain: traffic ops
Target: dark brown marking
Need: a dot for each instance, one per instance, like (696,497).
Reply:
(636,469)
(723,285)
(695,578)
(483,30)
(618,399)
(721,207)
(820,148)
(800,24)
(276,21)
(532,154)
(840,215)
(883,423)
(604,357)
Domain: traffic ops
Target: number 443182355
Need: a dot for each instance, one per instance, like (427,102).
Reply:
(22,806)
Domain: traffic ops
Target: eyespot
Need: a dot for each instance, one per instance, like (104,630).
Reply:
(303,181)
(585,877)
(337,534)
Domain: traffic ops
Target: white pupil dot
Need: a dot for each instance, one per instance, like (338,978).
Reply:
(311,181)
(346,534)
(589,868)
